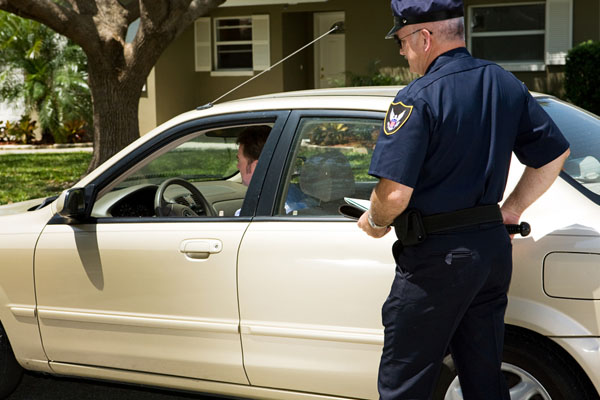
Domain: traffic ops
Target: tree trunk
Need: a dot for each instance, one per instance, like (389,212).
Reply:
(116,105)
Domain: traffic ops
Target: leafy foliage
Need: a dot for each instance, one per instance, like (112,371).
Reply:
(73,131)
(45,70)
(581,76)
(21,132)
(383,76)
(340,133)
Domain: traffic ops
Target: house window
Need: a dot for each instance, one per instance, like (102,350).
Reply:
(522,36)
(232,45)
(507,34)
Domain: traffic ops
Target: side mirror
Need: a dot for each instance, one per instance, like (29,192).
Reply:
(71,204)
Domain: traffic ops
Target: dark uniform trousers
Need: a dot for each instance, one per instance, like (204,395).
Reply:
(448,293)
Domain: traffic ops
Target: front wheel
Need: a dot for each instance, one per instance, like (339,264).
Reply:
(10,370)
(534,368)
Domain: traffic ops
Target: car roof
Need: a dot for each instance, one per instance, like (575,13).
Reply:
(372,98)
(378,91)
(370,91)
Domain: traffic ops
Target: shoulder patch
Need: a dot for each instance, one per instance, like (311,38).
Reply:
(396,116)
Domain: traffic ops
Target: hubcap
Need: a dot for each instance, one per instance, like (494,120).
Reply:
(522,385)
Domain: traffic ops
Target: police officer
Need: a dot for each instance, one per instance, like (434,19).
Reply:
(442,159)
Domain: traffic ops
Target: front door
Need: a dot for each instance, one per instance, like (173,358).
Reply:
(330,52)
(140,289)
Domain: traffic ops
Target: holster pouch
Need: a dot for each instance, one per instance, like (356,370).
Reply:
(409,227)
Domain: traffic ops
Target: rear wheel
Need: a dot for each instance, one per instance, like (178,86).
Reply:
(534,368)
(10,370)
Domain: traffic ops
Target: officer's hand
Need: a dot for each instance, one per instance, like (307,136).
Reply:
(510,217)
(363,223)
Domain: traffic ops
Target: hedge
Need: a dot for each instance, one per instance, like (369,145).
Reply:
(582,76)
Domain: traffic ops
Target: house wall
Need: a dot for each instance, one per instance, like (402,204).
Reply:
(291,27)
(366,28)
(147,106)
(586,20)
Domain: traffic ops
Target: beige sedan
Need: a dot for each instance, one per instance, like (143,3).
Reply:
(144,273)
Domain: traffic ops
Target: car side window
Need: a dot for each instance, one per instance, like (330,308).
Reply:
(330,161)
(582,130)
(194,176)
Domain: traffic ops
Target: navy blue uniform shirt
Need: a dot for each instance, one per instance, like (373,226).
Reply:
(449,135)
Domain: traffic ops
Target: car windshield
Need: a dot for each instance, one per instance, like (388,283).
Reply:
(582,130)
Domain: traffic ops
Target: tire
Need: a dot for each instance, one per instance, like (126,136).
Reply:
(10,370)
(535,369)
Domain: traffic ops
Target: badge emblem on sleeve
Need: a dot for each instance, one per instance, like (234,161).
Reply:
(396,116)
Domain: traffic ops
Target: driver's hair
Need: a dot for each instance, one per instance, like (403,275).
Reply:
(253,138)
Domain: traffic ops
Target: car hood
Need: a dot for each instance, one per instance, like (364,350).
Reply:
(20,207)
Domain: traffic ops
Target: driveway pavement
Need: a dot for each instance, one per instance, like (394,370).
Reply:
(43,387)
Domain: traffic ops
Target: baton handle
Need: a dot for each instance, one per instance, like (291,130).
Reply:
(523,229)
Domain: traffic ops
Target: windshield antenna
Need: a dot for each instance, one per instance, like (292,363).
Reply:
(209,105)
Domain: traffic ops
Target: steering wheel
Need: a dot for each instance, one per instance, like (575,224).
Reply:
(164,208)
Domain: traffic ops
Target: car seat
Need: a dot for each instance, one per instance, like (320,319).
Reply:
(326,177)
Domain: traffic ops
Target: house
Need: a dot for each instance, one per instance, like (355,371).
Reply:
(244,37)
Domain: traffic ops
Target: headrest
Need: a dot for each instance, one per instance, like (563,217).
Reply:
(327,176)
(586,169)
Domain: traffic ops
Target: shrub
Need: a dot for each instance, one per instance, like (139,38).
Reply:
(75,131)
(3,137)
(581,76)
(20,132)
(383,76)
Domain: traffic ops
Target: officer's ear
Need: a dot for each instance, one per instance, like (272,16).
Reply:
(427,39)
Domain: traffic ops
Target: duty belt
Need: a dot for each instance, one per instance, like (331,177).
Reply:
(412,228)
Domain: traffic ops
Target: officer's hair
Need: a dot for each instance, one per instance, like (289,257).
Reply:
(452,29)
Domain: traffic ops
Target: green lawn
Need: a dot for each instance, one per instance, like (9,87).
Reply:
(29,176)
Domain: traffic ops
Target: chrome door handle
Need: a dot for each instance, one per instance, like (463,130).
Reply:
(200,249)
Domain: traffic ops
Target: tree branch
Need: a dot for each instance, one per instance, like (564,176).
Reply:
(63,20)
(49,13)
(84,7)
(133,10)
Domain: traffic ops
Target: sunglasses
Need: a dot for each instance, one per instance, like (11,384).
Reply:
(400,40)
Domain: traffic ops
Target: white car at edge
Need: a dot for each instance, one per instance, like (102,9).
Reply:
(283,301)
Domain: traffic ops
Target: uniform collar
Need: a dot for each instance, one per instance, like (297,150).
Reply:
(445,58)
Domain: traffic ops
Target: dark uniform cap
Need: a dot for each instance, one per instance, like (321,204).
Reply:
(409,12)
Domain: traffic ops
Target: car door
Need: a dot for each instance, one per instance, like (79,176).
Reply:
(130,290)
(310,310)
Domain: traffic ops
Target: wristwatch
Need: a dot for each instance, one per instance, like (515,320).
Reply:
(373,224)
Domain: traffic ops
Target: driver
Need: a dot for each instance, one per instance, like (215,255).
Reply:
(251,142)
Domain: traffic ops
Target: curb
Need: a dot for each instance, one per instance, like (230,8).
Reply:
(45,148)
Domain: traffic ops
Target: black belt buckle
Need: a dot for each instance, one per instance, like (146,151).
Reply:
(409,227)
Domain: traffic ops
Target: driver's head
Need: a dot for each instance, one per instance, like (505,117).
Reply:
(251,142)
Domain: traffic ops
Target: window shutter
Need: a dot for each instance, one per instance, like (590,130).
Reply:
(559,30)
(202,45)
(261,55)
